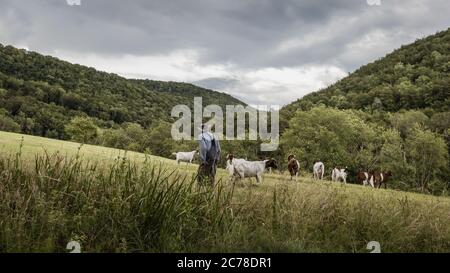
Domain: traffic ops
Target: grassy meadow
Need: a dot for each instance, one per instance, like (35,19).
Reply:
(53,192)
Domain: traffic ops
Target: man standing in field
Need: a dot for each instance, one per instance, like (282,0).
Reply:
(209,156)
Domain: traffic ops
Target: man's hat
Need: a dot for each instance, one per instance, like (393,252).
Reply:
(204,128)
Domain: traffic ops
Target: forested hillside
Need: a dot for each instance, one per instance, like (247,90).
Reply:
(415,76)
(41,94)
(393,114)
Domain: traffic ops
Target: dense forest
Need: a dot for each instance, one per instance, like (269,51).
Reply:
(392,114)
(415,76)
(41,94)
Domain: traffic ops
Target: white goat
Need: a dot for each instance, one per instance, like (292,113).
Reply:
(339,174)
(230,166)
(185,157)
(247,169)
(319,170)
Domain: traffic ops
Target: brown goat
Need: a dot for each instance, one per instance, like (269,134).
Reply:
(381,178)
(293,166)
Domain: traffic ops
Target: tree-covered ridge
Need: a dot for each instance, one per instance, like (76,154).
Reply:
(190,91)
(392,114)
(42,93)
(416,76)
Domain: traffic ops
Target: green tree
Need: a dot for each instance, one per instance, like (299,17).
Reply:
(338,138)
(393,158)
(115,138)
(159,140)
(440,123)
(82,129)
(135,134)
(8,124)
(406,121)
(428,154)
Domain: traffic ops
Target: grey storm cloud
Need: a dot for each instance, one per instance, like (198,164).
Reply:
(244,35)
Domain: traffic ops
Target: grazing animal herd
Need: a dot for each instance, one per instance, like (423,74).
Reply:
(241,168)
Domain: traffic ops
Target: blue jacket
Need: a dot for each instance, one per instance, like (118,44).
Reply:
(209,148)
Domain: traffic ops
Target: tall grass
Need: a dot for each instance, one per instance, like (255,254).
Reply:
(121,206)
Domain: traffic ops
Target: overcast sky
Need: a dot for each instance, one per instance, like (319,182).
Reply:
(261,51)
